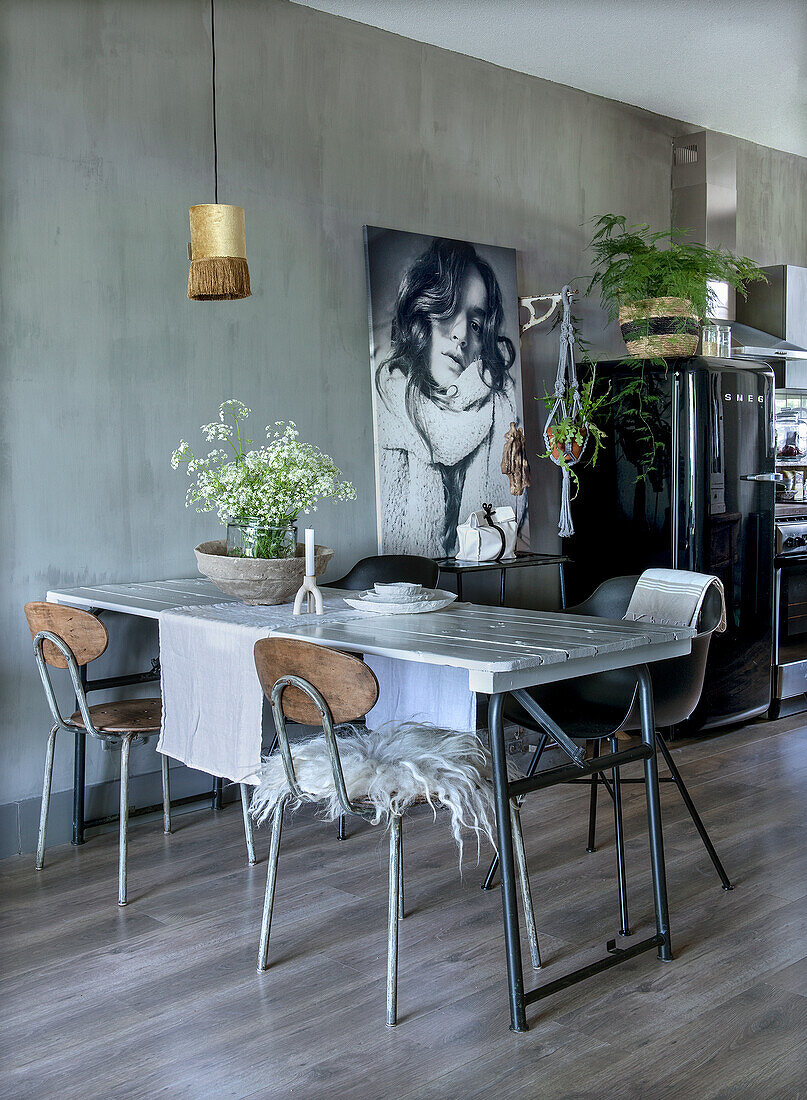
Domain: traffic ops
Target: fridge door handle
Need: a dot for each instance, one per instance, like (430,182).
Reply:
(776,478)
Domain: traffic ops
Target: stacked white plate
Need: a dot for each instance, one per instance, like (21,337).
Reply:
(402,598)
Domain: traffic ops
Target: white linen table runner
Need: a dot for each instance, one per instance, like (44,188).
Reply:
(213,703)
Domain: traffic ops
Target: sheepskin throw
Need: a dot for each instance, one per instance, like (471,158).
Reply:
(389,769)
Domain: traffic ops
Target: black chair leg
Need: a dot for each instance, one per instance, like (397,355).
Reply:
(533,764)
(693,813)
(592,805)
(619,837)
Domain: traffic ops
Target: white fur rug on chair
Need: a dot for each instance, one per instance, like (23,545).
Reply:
(391,768)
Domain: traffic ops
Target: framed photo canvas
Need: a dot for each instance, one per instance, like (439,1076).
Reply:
(446,384)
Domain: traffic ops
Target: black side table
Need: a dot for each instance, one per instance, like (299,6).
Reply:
(521,561)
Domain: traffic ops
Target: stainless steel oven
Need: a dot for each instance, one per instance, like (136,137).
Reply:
(790,612)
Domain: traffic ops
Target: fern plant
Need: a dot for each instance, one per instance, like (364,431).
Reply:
(631,266)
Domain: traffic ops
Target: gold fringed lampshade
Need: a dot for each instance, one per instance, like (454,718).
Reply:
(218,253)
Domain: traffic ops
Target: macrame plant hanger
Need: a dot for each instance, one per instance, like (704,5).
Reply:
(567,404)
(567,395)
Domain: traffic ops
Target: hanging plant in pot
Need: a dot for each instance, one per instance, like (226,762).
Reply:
(573,432)
(660,295)
(571,426)
(259,492)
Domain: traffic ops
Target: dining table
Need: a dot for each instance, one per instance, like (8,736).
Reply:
(459,653)
(508,651)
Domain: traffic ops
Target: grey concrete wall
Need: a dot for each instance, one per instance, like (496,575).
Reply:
(323,125)
(771,205)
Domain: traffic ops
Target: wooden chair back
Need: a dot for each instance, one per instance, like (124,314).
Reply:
(345,682)
(85,635)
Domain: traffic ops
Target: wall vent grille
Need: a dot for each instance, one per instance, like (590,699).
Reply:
(685,154)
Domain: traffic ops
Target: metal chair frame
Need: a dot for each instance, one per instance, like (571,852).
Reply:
(124,739)
(396,878)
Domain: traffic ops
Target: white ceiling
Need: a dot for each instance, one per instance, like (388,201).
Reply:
(738,66)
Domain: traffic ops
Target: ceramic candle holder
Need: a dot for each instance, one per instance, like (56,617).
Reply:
(308,588)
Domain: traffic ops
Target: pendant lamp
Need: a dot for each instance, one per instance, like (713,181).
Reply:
(218,249)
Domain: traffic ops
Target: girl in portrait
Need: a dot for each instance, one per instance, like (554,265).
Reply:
(445,399)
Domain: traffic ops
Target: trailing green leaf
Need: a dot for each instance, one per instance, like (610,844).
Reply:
(640,424)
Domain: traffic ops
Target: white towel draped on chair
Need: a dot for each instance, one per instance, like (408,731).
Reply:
(673,597)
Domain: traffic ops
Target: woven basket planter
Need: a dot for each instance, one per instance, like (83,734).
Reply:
(665,327)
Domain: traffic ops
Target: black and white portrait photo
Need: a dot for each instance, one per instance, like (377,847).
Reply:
(446,381)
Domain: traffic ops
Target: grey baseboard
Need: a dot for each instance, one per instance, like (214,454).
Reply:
(19,821)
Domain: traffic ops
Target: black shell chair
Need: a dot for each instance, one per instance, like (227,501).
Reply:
(604,705)
(607,701)
(388,568)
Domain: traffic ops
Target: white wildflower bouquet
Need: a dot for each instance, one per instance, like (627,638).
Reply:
(272,484)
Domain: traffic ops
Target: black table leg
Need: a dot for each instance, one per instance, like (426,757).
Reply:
(512,941)
(654,813)
(79,748)
(218,787)
(502,587)
(619,842)
(459,586)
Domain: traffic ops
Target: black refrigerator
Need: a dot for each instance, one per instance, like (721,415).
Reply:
(686,481)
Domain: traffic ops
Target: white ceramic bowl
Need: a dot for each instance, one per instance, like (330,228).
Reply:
(437,600)
(397,588)
(395,597)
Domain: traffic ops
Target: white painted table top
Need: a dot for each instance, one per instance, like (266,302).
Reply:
(502,648)
(145,599)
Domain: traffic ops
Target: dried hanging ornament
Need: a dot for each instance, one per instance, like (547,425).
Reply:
(514,460)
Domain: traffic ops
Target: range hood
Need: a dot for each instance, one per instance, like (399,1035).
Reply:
(771,324)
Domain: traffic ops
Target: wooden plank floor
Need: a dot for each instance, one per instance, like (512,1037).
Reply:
(162,998)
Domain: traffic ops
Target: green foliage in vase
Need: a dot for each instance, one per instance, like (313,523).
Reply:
(631,266)
(272,483)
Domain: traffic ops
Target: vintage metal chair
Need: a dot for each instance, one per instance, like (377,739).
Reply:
(314,685)
(603,706)
(388,567)
(385,568)
(65,637)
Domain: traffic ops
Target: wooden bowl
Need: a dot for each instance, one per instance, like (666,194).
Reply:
(257,580)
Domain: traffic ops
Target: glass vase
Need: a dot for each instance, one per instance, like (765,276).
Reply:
(248,537)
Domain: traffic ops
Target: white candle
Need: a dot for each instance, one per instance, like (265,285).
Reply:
(310,568)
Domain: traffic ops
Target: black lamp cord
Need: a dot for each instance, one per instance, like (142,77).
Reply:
(215,136)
